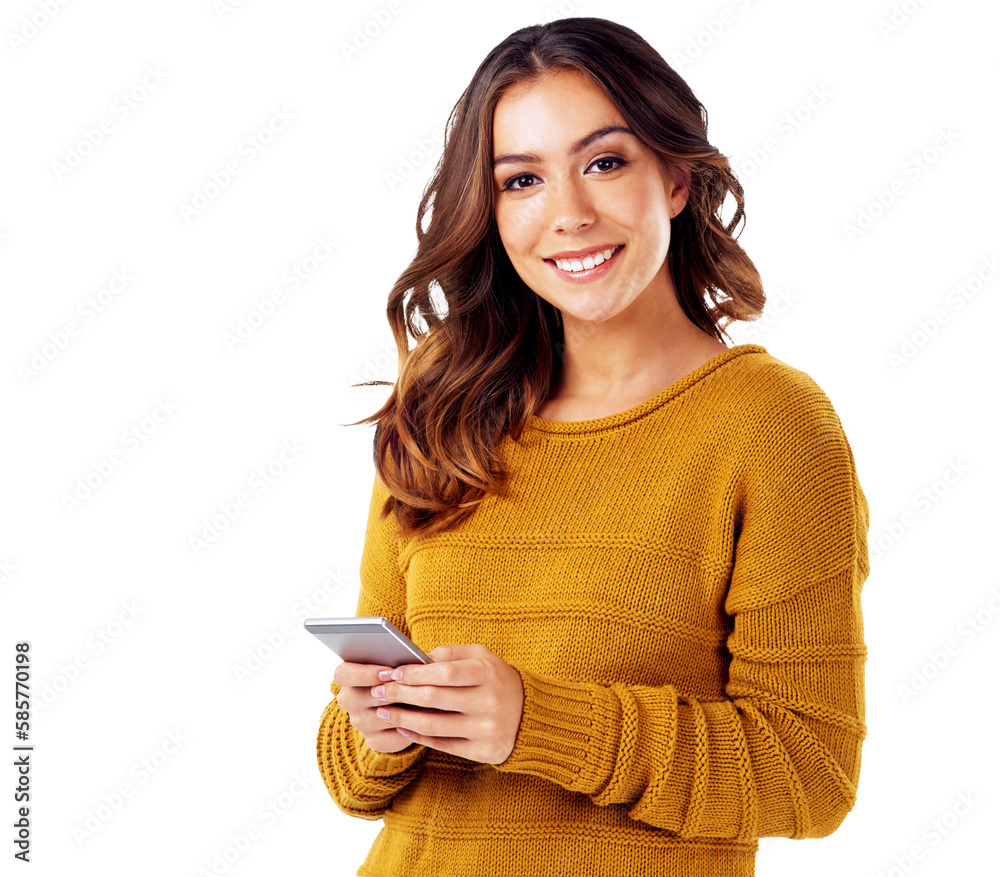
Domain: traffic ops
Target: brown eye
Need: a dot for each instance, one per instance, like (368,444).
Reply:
(510,183)
(620,162)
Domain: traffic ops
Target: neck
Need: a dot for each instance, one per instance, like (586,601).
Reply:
(631,353)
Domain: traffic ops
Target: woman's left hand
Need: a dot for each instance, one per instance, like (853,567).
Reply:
(480,697)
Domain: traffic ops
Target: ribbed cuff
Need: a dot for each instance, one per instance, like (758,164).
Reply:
(568,733)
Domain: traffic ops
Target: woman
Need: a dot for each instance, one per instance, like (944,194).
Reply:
(636,552)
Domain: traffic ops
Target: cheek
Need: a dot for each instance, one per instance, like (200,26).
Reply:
(641,207)
(650,212)
(517,227)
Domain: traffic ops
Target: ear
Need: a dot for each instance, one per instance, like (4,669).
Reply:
(678,186)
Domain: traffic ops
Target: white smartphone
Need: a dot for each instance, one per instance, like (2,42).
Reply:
(364,639)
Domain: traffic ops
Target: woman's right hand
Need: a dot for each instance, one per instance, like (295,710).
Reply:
(356,682)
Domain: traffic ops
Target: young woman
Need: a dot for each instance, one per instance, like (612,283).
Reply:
(634,553)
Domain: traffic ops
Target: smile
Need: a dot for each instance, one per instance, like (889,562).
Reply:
(585,274)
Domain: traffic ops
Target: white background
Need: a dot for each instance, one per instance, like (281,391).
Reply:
(908,95)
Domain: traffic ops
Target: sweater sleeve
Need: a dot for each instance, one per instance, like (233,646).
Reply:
(780,754)
(361,780)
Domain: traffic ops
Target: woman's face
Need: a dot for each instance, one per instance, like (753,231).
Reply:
(613,192)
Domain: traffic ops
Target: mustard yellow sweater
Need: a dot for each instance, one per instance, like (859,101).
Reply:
(679,587)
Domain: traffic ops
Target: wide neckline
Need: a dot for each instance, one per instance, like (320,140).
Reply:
(577,427)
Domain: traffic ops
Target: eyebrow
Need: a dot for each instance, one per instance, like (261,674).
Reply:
(579,146)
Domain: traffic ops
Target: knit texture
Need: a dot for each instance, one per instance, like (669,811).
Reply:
(679,588)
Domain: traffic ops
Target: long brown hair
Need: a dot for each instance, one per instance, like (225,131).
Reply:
(489,349)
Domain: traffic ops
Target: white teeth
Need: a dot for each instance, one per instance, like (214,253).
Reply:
(586,262)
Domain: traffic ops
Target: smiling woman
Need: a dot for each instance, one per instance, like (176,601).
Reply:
(634,553)
(624,189)
(605,182)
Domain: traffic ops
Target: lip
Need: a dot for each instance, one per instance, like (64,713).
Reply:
(587,273)
(580,254)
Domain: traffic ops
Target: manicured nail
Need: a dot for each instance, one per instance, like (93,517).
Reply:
(383,712)
(384,675)
(397,673)
(378,691)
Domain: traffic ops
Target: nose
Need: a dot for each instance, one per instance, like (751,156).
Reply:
(569,207)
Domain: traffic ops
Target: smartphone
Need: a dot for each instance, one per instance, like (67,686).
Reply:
(364,639)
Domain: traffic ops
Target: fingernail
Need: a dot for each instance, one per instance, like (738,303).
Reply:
(378,691)
(383,712)
(397,674)
(384,675)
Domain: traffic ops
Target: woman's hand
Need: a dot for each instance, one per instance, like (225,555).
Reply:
(473,699)
(355,696)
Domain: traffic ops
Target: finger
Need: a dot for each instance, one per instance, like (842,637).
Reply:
(468,671)
(355,698)
(381,733)
(427,723)
(349,674)
(446,698)
(453,745)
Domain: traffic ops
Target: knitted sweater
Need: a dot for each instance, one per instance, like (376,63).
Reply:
(679,587)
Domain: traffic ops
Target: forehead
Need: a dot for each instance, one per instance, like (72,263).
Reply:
(554,109)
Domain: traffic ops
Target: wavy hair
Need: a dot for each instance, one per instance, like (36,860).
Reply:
(488,349)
